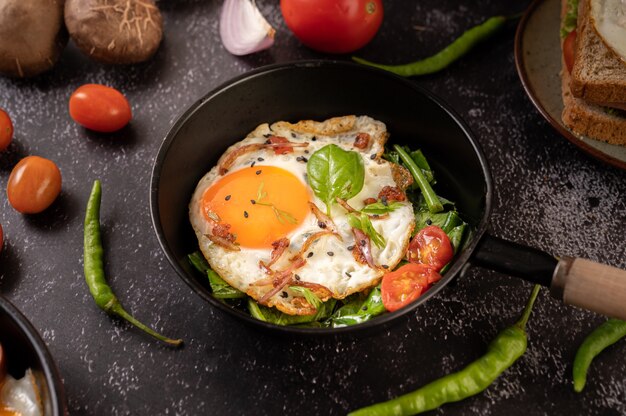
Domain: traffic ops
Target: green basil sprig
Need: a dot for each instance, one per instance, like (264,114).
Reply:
(378,208)
(335,173)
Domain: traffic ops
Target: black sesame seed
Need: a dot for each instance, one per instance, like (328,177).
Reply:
(260,159)
(284,294)
(268,142)
(306,151)
(385,266)
(362,242)
(227,197)
(245,214)
(428,222)
(267,135)
(313,138)
(373,156)
(330,253)
(293,135)
(297,277)
(364,308)
(321,224)
(350,248)
(308,256)
(302,159)
(384,201)
(348,274)
(258,172)
(253,163)
(252,201)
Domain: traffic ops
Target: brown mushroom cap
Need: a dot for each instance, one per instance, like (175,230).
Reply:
(115,31)
(32,36)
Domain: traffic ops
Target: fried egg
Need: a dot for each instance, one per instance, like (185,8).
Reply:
(19,397)
(609,20)
(263,230)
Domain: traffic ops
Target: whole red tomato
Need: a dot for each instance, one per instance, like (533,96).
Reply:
(99,108)
(33,185)
(333,26)
(6,130)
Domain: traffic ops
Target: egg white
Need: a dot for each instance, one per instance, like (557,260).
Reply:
(609,20)
(332,264)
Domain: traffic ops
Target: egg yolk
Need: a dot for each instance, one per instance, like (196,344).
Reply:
(262,204)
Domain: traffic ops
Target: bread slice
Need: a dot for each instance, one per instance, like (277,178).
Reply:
(599,75)
(586,119)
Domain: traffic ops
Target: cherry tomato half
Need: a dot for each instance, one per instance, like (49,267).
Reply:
(33,185)
(6,130)
(403,286)
(569,45)
(333,26)
(99,108)
(431,246)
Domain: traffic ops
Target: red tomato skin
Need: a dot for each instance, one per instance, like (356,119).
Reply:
(6,130)
(99,108)
(569,46)
(333,26)
(431,246)
(404,285)
(34,184)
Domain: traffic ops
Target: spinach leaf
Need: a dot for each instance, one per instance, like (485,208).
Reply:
(419,159)
(358,311)
(335,173)
(198,261)
(363,223)
(378,208)
(274,316)
(221,289)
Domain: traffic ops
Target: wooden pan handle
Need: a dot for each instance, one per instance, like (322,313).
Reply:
(590,285)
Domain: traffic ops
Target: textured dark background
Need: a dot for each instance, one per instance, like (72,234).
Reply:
(548,194)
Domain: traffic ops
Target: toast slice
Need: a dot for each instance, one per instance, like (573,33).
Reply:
(586,119)
(598,75)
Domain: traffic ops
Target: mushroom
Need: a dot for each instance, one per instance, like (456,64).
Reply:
(115,31)
(32,36)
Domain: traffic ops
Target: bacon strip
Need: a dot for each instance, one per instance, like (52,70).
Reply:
(223,242)
(323,220)
(362,248)
(279,247)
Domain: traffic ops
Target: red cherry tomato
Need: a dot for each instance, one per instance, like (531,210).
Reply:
(99,108)
(33,185)
(431,246)
(280,150)
(403,286)
(6,130)
(569,45)
(333,26)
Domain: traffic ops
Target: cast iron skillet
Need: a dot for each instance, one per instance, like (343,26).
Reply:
(23,348)
(318,90)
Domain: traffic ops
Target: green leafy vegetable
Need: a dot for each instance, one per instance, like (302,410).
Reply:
(221,289)
(419,159)
(571,18)
(358,310)
(198,261)
(378,208)
(434,205)
(363,223)
(335,173)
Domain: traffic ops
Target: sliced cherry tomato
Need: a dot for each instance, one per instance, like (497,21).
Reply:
(569,45)
(99,108)
(333,26)
(280,150)
(403,286)
(6,130)
(33,185)
(431,246)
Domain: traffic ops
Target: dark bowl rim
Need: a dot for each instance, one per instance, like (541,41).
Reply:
(381,321)
(50,370)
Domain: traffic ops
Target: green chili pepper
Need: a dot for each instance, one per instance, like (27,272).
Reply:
(502,352)
(603,336)
(434,205)
(446,56)
(94,269)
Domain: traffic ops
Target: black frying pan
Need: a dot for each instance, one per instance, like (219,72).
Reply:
(322,89)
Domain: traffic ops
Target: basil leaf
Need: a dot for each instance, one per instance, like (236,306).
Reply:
(335,173)
(221,289)
(363,223)
(378,208)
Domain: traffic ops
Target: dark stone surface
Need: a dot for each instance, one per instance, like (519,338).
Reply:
(548,194)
